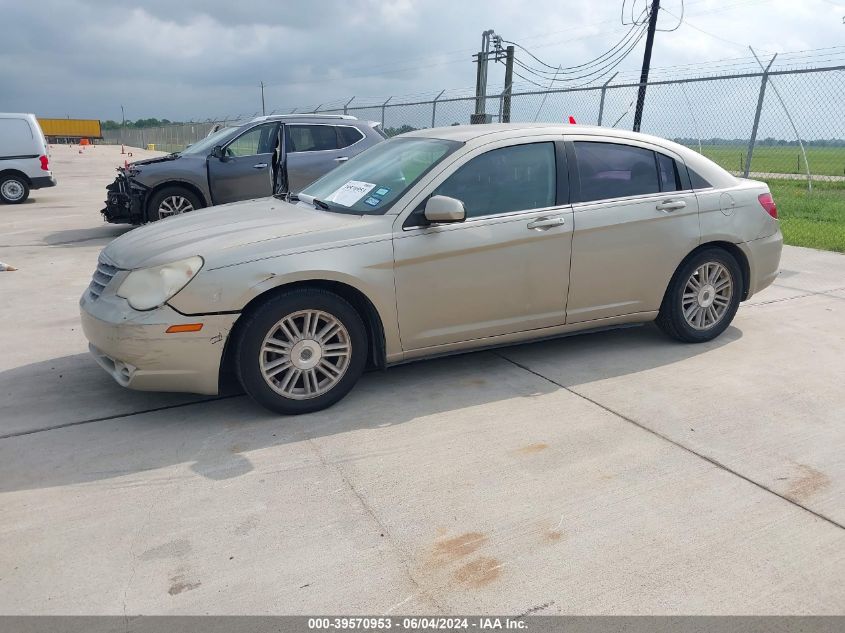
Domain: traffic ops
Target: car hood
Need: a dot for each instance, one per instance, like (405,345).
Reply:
(238,232)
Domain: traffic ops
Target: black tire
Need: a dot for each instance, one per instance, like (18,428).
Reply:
(156,200)
(263,320)
(13,184)
(671,318)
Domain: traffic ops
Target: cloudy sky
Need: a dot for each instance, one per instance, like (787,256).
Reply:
(182,59)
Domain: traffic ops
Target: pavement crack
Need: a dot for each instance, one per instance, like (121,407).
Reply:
(116,416)
(711,460)
(807,293)
(404,557)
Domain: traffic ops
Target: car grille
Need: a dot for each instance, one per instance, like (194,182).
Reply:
(102,277)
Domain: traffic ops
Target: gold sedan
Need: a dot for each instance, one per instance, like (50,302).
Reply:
(435,242)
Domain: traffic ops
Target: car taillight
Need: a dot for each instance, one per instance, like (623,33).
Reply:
(45,163)
(768,203)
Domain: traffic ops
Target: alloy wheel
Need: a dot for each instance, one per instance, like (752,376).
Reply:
(174,205)
(305,354)
(707,295)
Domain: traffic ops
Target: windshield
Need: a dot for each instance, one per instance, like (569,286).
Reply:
(371,182)
(207,144)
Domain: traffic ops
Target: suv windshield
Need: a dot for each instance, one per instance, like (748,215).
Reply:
(371,182)
(207,144)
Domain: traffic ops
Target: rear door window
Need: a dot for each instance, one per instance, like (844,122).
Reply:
(348,135)
(312,138)
(670,179)
(614,170)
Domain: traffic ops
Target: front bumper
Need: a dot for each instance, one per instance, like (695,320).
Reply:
(134,349)
(124,200)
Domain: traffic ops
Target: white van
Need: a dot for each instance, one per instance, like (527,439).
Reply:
(24,162)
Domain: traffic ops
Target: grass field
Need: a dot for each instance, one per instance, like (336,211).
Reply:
(814,219)
(827,161)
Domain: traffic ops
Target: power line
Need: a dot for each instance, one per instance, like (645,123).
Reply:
(570,70)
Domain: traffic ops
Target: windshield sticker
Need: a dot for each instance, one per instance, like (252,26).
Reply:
(373,202)
(382,191)
(351,192)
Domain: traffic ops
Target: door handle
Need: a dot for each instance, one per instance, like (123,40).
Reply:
(671,205)
(341,159)
(545,223)
(259,166)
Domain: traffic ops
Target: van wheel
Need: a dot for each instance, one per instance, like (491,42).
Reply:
(702,298)
(14,189)
(171,201)
(301,351)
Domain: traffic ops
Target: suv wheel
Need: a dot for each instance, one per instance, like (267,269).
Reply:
(702,298)
(301,351)
(171,201)
(14,189)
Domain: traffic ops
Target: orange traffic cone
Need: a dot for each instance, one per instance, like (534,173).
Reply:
(126,164)
(122,149)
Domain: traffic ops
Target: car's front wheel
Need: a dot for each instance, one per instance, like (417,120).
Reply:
(171,201)
(702,298)
(14,189)
(301,351)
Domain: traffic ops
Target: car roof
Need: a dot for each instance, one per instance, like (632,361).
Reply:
(488,132)
(466,133)
(333,117)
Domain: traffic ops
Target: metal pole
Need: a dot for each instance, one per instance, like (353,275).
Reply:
(263,109)
(603,91)
(792,123)
(479,95)
(383,108)
(346,106)
(434,106)
(754,127)
(649,42)
(506,106)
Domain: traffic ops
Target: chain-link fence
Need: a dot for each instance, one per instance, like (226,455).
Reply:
(787,123)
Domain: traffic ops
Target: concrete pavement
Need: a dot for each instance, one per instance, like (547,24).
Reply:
(617,472)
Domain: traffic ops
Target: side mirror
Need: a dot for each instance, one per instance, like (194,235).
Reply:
(217,152)
(443,209)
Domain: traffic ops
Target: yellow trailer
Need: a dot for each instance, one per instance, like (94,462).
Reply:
(64,130)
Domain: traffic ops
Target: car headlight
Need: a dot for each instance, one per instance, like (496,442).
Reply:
(148,288)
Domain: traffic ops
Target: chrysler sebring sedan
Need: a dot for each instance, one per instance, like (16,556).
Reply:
(434,242)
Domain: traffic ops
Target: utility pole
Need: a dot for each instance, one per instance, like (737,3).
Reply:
(506,103)
(481,78)
(649,42)
(263,109)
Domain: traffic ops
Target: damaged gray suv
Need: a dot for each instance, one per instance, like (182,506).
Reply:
(269,155)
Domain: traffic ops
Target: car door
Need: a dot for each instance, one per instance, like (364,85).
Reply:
(245,170)
(635,218)
(312,150)
(505,269)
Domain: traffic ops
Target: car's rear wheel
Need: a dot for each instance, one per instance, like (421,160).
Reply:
(702,298)
(171,201)
(14,189)
(301,351)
